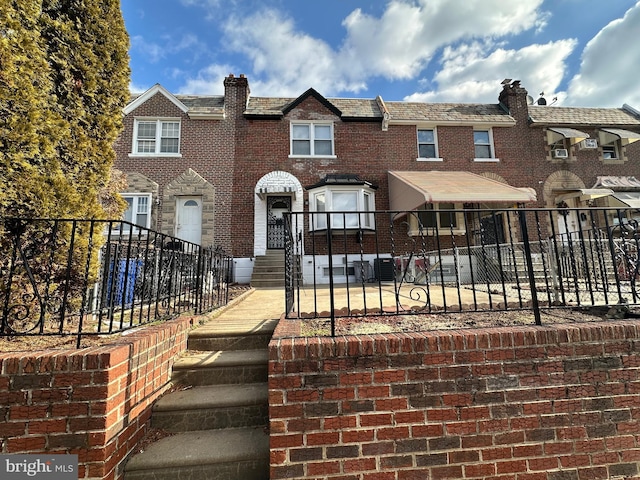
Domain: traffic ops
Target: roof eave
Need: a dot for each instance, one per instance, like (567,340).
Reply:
(263,116)
(452,123)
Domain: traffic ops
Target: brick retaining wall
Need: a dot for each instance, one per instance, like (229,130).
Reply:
(521,403)
(94,402)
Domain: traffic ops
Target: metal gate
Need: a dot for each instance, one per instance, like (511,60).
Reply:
(276,207)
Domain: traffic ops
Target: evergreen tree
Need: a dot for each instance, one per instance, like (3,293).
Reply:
(29,127)
(86,46)
(64,78)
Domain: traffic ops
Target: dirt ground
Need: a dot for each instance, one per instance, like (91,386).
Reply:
(449,321)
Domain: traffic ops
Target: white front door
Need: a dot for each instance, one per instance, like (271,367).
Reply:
(568,223)
(189,219)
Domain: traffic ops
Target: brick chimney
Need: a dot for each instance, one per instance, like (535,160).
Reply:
(236,95)
(514,97)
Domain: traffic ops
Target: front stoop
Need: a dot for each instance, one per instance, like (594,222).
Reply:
(219,416)
(241,453)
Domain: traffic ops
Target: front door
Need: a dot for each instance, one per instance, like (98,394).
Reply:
(568,223)
(276,207)
(189,219)
(492,230)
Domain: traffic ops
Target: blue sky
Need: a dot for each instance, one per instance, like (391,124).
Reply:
(582,52)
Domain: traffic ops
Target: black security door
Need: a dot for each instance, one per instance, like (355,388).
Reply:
(492,230)
(276,207)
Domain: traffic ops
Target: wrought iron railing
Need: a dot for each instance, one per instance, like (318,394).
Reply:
(92,277)
(482,260)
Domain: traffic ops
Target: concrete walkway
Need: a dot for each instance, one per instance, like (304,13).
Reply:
(252,312)
(260,309)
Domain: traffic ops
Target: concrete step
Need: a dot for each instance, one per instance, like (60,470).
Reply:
(221,367)
(234,334)
(228,454)
(214,407)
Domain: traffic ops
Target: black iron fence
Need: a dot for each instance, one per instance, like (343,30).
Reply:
(92,277)
(467,260)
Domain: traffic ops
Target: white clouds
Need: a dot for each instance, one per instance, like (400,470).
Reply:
(459,49)
(610,65)
(209,81)
(135,88)
(284,60)
(468,74)
(400,43)
(154,52)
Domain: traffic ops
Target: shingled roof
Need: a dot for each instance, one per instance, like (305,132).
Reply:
(368,109)
(197,105)
(350,107)
(459,113)
(600,117)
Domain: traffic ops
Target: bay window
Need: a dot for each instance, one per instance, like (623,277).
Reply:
(342,201)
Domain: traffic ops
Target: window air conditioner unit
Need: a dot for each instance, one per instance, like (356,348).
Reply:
(588,143)
(560,153)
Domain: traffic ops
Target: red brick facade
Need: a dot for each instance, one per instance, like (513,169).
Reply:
(535,403)
(94,402)
(234,153)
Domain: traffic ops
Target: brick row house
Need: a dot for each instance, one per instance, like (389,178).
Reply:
(222,169)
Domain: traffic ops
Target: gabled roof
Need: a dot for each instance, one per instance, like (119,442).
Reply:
(196,106)
(349,108)
(600,117)
(157,88)
(314,94)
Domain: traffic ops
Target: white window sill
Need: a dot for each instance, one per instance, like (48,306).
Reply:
(431,159)
(313,156)
(490,160)
(174,155)
(318,229)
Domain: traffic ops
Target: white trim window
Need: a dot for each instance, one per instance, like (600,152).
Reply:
(312,139)
(483,145)
(427,145)
(138,211)
(437,217)
(343,200)
(156,137)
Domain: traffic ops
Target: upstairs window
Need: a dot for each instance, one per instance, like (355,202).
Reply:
(483,143)
(610,151)
(312,139)
(156,137)
(427,147)
(559,149)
